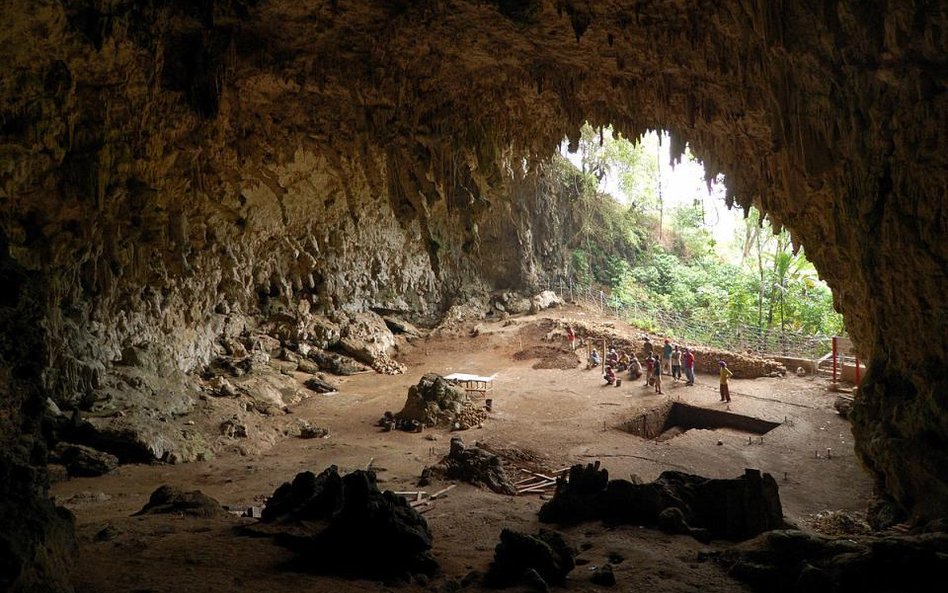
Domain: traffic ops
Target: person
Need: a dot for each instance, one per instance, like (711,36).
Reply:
(658,376)
(649,368)
(624,360)
(667,357)
(635,368)
(725,375)
(571,338)
(612,358)
(648,348)
(676,363)
(610,375)
(594,359)
(689,363)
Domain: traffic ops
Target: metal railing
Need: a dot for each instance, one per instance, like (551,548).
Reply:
(724,335)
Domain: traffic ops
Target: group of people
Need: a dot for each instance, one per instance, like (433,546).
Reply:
(672,360)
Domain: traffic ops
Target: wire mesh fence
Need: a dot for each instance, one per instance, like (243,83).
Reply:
(728,336)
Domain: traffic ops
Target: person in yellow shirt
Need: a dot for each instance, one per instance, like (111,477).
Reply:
(725,375)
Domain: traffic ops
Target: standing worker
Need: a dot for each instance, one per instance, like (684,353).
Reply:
(648,348)
(725,375)
(689,362)
(676,363)
(571,337)
(658,376)
(667,358)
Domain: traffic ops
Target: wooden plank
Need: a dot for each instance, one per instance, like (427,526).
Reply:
(538,488)
(538,475)
(442,491)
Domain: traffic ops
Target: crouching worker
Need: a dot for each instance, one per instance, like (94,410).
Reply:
(594,359)
(635,368)
(610,376)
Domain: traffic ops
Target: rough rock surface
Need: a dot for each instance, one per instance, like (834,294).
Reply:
(520,558)
(170,499)
(308,498)
(172,172)
(349,527)
(81,461)
(433,401)
(735,509)
(475,466)
(785,561)
(36,537)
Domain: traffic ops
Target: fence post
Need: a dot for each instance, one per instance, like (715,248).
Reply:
(835,346)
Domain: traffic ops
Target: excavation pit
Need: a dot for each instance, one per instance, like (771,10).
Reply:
(673,418)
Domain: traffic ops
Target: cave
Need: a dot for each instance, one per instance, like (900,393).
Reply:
(173,173)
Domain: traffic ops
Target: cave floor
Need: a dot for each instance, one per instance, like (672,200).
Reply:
(546,418)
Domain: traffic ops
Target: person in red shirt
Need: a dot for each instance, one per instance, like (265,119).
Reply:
(688,361)
(570,337)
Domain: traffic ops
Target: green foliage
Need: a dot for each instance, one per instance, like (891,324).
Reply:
(772,287)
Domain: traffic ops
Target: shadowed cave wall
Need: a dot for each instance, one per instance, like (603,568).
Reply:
(168,168)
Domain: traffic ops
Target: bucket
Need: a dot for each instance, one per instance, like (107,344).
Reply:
(488,404)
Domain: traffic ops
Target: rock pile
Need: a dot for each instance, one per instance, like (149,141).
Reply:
(345,525)
(734,509)
(433,401)
(469,417)
(475,466)
(537,561)
(387,366)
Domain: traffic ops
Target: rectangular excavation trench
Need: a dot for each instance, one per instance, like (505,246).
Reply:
(672,419)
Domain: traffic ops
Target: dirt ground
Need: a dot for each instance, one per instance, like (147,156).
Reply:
(544,417)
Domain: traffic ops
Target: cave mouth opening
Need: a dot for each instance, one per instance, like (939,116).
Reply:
(675,418)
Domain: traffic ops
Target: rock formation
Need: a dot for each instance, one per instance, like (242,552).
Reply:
(172,174)
(676,502)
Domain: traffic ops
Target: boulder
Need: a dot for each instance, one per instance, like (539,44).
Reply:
(517,554)
(308,498)
(319,386)
(366,337)
(402,327)
(545,300)
(82,461)
(358,531)
(433,401)
(336,363)
(170,499)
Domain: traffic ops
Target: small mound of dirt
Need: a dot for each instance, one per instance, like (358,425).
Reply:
(171,500)
(549,357)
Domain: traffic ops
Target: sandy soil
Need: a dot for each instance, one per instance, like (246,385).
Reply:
(545,417)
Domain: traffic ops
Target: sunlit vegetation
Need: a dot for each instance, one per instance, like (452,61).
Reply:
(657,253)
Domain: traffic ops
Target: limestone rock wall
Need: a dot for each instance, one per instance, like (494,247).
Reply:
(174,169)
